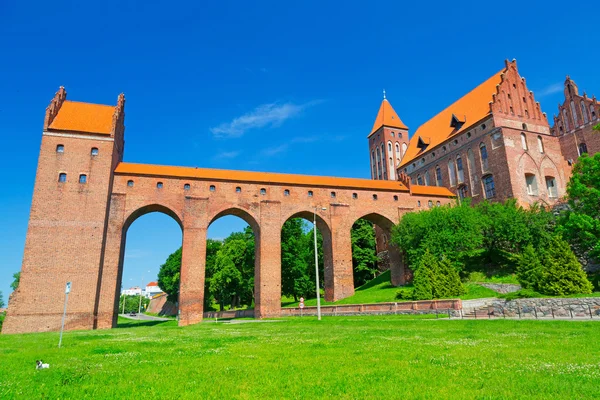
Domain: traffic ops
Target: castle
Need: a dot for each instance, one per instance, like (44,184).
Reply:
(493,143)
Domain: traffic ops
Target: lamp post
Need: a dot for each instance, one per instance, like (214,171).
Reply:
(317,262)
(140,306)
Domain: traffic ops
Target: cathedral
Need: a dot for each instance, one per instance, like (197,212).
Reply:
(493,143)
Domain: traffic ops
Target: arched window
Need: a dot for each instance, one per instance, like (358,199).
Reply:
(419,180)
(286,192)
(540,144)
(438,176)
(582,148)
(94,151)
(395,197)
(355,196)
(593,111)
(238,189)
(60,148)
(310,193)
(452,173)
(378,164)
(551,187)
(393,134)
(584,112)
(463,191)
(460,170)
(437,203)
(62,177)
(82,178)
(566,119)
(384,167)
(484,157)
(524,141)
(186,186)
(488,186)
(130,183)
(404,147)
(374,197)
(389,148)
(333,194)
(531,182)
(159,185)
(212,188)
(373,165)
(391,163)
(398,149)
(430,203)
(471,166)
(574,113)
(427,180)
(263,191)
(524,127)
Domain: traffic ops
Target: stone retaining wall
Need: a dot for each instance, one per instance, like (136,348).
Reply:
(587,307)
(409,307)
(501,287)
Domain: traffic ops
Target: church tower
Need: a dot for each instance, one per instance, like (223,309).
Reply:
(388,141)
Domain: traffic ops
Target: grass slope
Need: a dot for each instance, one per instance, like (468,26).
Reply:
(380,290)
(298,358)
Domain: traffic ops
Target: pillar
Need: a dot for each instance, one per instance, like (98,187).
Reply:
(339,279)
(397,270)
(267,280)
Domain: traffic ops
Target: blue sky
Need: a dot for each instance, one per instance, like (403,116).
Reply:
(272,87)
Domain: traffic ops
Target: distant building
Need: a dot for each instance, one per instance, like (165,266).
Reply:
(152,289)
(133,291)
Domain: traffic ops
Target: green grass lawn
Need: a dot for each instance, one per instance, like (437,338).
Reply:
(380,290)
(372,357)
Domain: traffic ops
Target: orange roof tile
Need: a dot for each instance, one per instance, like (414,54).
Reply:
(258,177)
(84,117)
(431,191)
(470,108)
(388,117)
(152,284)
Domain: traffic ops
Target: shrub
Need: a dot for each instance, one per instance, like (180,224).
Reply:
(2,316)
(521,294)
(477,276)
(436,279)
(404,294)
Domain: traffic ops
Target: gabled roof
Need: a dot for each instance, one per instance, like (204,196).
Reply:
(152,284)
(388,117)
(84,117)
(466,111)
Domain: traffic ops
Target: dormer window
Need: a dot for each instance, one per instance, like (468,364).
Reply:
(455,122)
(422,143)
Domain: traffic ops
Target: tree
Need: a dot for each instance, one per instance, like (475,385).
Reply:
(563,274)
(364,253)
(529,269)
(435,279)
(295,279)
(226,282)
(1,300)
(169,276)
(132,303)
(423,277)
(17,278)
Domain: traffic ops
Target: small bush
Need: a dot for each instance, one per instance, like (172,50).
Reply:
(477,276)
(521,294)
(404,294)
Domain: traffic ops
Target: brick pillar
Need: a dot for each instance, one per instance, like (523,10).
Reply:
(267,280)
(193,262)
(397,270)
(111,265)
(341,248)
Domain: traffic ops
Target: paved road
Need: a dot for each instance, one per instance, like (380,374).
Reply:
(144,317)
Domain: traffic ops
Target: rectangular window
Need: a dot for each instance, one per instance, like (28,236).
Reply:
(484,158)
(531,185)
(551,186)
(82,178)
(489,188)
(461,172)
(438,176)
(62,177)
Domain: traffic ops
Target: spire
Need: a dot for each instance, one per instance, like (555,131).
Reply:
(387,116)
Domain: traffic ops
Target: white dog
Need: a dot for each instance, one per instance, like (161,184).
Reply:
(40,365)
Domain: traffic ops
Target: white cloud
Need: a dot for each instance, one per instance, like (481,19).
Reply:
(547,91)
(226,155)
(271,115)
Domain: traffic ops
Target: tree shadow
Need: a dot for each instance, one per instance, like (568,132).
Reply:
(135,324)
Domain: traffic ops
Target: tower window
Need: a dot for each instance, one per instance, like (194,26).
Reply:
(62,177)
(333,194)
(355,195)
(186,186)
(374,197)
(238,189)
(310,193)
(540,144)
(82,178)
(286,192)
(512,111)
(212,188)
(60,148)
(94,151)
(159,185)
(263,191)
(524,141)
(130,183)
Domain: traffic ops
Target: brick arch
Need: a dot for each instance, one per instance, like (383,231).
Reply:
(548,164)
(237,212)
(150,208)
(307,215)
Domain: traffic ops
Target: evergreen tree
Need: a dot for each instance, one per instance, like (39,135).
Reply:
(423,277)
(563,274)
(364,253)
(529,269)
(448,281)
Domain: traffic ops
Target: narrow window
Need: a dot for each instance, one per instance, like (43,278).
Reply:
(593,111)
(62,177)
(566,120)
(488,186)
(584,112)
(427,180)
(238,189)
(159,185)
(395,197)
(60,148)
(332,194)
(582,148)
(389,147)
(452,173)
(94,151)
(130,183)
(524,141)
(393,134)
(404,147)
(462,192)
(310,193)
(419,180)
(482,127)
(186,186)
(430,203)
(212,188)
(437,203)
(540,144)
(531,182)
(355,195)
(471,166)
(263,191)
(286,192)
(459,169)
(397,149)
(82,178)
(438,176)
(574,113)
(374,197)
(391,163)
(551,186)
(484,157)
(418,203)
(527,113)
(468,135)
(524,126)
(512,111)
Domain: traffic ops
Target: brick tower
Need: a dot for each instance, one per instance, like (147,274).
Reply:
(81,145)
(388,141)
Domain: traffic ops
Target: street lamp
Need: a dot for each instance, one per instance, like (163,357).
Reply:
(140,306)
(317,262)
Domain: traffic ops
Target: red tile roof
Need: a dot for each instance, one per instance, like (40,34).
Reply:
(152,284)
(469,109)
(84,117)
(388,117)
